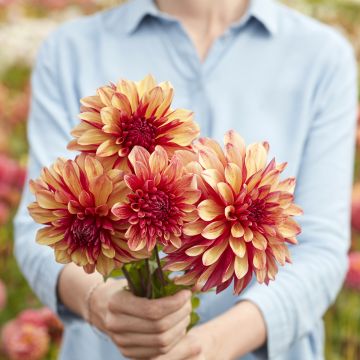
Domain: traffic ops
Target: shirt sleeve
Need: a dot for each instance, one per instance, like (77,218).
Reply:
(295,302)
(49,128)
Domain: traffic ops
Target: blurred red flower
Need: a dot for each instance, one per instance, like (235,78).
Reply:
(352,280)
(3,295)
(44,318)
(24,341)
(355,208)
(12,178)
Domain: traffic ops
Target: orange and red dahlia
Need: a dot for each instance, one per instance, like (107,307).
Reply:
(131,113)
(245,218)
(24,341)
(73,200)
(160,200)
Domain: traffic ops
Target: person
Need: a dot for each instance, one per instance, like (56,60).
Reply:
(254,66)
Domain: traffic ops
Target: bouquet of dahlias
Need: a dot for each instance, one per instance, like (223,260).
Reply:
(143,185)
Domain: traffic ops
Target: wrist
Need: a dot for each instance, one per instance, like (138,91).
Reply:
(245,320)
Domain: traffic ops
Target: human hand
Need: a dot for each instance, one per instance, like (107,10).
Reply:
(201,343)
(141,328)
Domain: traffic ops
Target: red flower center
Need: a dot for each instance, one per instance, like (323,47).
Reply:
(84,232)
(252,212)
(138,131)
(155,211)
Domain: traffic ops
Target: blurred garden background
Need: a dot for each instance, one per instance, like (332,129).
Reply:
(30,332)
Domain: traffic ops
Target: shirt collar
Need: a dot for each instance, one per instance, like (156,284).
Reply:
(263,11)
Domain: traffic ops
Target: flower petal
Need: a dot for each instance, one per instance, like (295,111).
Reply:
(225,193)
(214,230)
(210,209)
(233,176)
(212,255)
(241,266)
(238,246)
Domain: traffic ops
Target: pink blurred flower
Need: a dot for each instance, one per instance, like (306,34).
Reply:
(355,208)
(45,319)
(11,172)
(33,317)
(3,295)
(24,341)
(358,128)
(6,3)
(12,178)
(352,280)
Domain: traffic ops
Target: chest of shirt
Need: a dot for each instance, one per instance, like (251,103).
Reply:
(244,85)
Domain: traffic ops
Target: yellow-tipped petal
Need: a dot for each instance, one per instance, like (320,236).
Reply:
(154,98)
(294,210)
(128,88)
(237,230)
(225,193)
(212,177)
(241,266)
(91,117)
(92,137)
(109,115)
(255,158)
(105,93)
(49,236)
(234,138)
(214,230)
(92,102)
(158,160)
(93,167)
(101,187)
(194,228)
(212,255)
(259,241)
(209,210)
(122,103)
(238,246)
(209,160)
(259,259)
(145,85)
(62,257)
(46,200)
(248,234)
(214,145)
(229,272)
(140,154)
(233,176)
(104,265)
(289,228)
(195,250)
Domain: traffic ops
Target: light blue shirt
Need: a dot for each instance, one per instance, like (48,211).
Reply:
(276,75)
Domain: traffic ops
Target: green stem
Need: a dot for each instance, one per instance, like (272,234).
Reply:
(160,271)
(149,280)
(130,282)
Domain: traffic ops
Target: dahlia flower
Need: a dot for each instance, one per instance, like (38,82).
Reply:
(352,280)
(355,208)
(44,318)
(122,116)
(159,201)
(73,200)
(12,177)
(23,341)
(245,218)
(3,295)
